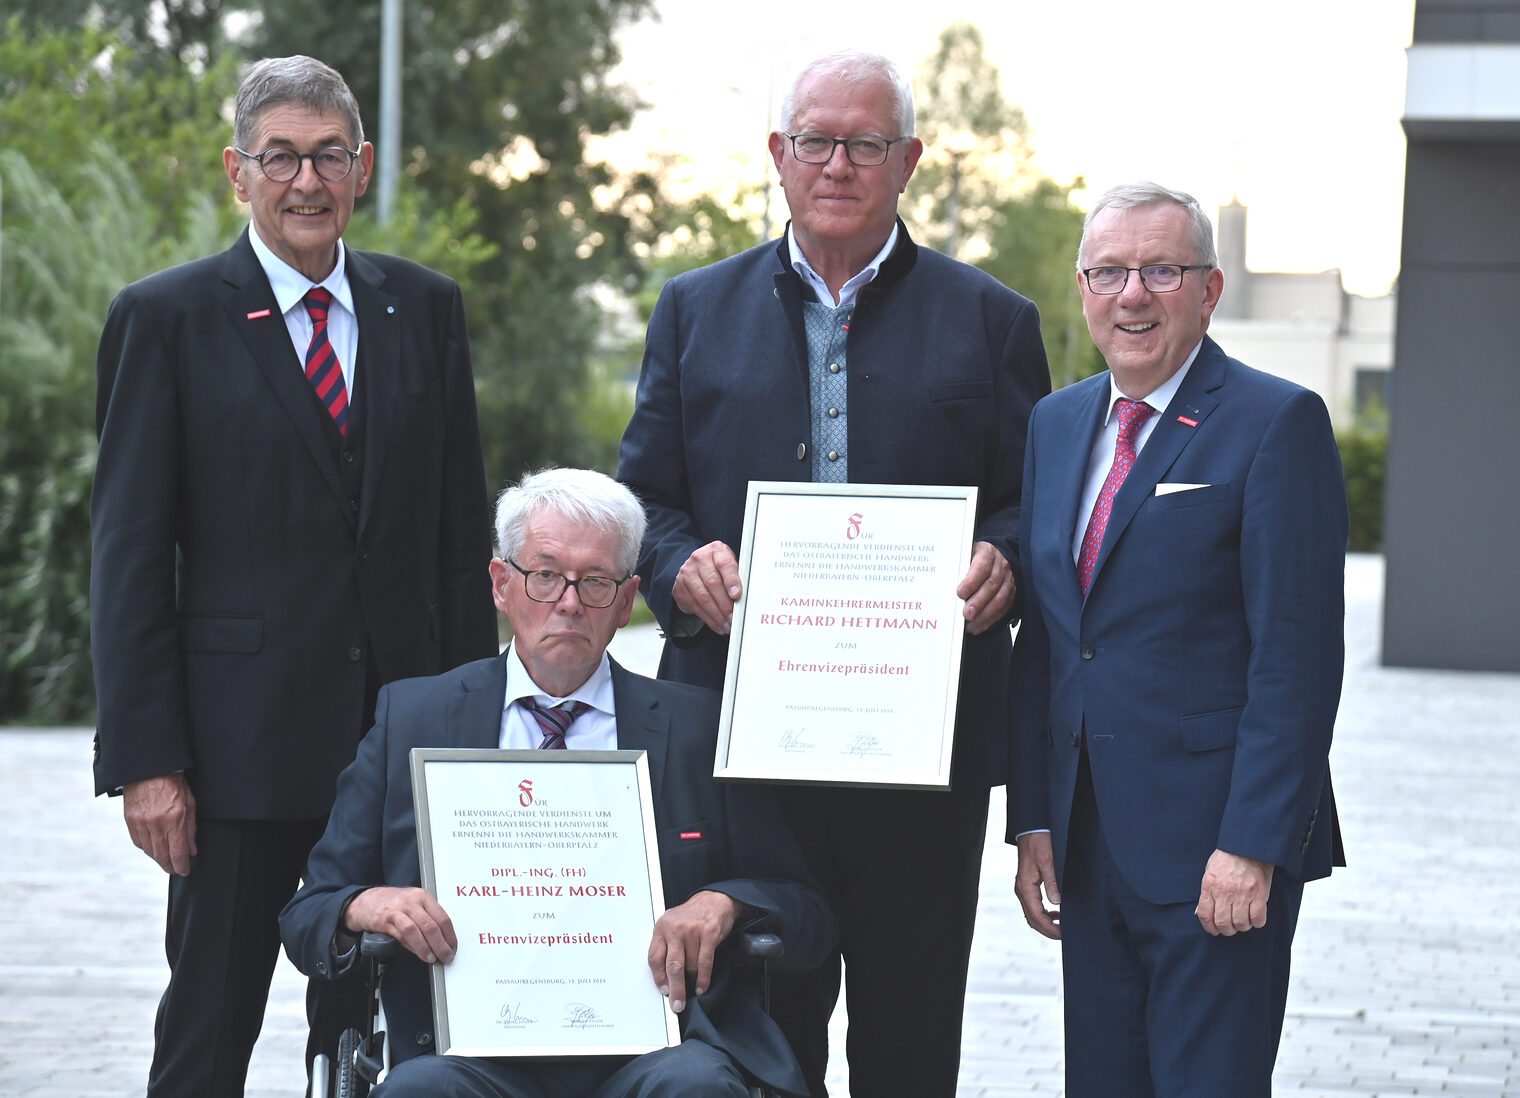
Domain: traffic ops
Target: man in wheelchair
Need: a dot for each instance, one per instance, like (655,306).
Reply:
(568,541)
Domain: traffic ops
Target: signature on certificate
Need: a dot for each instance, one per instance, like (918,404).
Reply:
(511,1015)
(791,740)
(579,1016)
(863,744)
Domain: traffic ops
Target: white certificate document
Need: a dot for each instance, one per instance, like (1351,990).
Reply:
(844,659)
(546,861)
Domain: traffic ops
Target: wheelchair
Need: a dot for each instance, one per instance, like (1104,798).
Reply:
(358,1062)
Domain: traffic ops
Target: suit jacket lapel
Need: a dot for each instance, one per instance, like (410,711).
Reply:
(474,714)
(268,343)
(641,724)
(378,368)
(1194,401)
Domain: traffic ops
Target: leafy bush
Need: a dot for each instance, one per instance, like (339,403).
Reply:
(1364,459)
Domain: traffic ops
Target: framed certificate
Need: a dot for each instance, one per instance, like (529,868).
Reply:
(844,658)
(546,862)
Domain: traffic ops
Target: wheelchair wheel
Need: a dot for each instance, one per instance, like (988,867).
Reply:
(350,1083)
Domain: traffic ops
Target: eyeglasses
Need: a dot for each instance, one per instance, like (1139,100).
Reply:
(595,592)
(863,152)
(282,165)
(1158,278)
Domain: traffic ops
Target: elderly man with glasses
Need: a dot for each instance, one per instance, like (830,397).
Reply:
(845,352)
(568,540)
(1177,673)
(289,510)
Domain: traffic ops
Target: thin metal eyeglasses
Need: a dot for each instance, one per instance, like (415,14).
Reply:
(863,152)
(1158,278)
(595,592)
(281,165)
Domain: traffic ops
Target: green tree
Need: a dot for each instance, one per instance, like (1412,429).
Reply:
(67,247)
(499,102)
(977,195)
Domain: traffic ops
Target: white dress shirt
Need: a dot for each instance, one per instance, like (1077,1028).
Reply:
(851,289)
(593,730)
(290,286)
(1101,458)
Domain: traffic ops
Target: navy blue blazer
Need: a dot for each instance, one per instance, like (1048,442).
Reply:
(744,851)
(1206,660)
(239,591)
(945,363)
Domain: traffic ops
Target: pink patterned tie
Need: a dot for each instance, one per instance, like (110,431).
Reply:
(555,722)
(1132,416)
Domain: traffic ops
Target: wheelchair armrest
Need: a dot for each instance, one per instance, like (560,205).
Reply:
(761,946)
(379,947)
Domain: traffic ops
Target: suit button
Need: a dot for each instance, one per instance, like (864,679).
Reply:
(355,655)
(1088,651)
(1076,739)
(833,413)
(322,968)
(833,367)
(348,456)
(801,451)
(353,505)
(833,455)
(424,1038)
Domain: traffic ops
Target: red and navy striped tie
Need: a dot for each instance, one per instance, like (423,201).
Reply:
(555,722)
(322,367)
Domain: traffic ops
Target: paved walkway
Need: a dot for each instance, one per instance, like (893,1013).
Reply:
(1407,967)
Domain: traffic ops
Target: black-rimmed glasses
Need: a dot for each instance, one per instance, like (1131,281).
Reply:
(282,165)
(1158,278)
(595,592)
(863,152)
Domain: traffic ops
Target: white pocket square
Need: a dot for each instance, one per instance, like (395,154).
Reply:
(1168,489)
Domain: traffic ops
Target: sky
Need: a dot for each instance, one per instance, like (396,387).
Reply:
(1292,106)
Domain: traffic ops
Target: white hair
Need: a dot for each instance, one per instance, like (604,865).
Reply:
(581,495)
(857,69)
(1128,195)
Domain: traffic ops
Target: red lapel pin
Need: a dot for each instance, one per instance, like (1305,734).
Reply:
(1189,422)
(259,315)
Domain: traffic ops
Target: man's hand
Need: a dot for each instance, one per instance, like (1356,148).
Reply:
(708,585)
(685,940)
(1234,895)
(410,915)
(160,814)
(1037,868)
(988,588)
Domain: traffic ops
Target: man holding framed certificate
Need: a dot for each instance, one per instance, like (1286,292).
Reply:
(568,541)
(844,353)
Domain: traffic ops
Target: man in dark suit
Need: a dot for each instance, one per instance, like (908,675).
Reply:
(1177,673)
(569,539)
(271,543)
(845,352)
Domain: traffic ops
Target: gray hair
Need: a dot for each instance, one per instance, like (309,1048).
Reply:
(857,69)
(302,80)
(1128,195)
(581,495)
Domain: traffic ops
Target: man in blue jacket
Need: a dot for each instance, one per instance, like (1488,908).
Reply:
(844,352)
(1177,673)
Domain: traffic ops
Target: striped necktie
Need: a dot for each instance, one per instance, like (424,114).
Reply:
(554,722)
(322,367)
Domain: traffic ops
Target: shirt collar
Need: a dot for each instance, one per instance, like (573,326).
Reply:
(290,285)
(848,291)
(595,691)
(1161,397)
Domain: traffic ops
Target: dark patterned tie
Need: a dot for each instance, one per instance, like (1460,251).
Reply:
(1132,416)
(322,367)
(555,722)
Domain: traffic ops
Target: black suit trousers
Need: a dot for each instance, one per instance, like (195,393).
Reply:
(902,869)
(222,939)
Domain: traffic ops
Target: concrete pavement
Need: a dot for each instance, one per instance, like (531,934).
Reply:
(1407,971)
